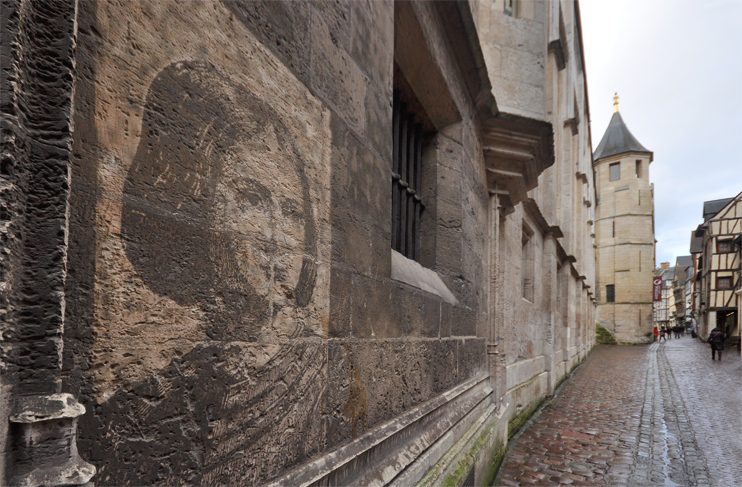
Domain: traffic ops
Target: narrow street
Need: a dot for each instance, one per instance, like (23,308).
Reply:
(658,415)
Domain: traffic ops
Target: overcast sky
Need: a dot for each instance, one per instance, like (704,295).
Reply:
(677,68)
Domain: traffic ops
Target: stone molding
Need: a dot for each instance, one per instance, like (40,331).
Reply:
(391,450)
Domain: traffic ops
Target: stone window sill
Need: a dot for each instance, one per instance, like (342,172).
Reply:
(412,273)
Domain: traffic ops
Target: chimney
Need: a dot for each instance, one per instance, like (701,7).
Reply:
(665,265)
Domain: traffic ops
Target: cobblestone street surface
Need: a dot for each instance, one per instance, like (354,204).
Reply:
(657,415)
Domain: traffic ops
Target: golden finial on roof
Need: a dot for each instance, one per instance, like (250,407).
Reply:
(615,102)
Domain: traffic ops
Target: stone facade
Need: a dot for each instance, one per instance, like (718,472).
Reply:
(209,248)
(624,235)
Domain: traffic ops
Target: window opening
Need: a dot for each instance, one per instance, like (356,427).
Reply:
(610,293)
(511,7)
(723,246)
(407,202)
(615,171)
(614,228)
(638,168)
(527,263)
(724,283)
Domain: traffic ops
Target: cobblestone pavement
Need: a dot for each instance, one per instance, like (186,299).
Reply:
(712,394)
(658,415)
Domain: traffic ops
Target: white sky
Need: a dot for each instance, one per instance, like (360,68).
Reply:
(677,68)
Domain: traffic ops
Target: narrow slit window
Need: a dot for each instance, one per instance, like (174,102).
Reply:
(527,263)
(638,168)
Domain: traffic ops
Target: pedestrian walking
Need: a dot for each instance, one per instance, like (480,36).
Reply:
(693,331)
(716,340)
(663,334)
(656,332)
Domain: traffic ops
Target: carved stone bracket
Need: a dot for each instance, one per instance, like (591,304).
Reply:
(516,151)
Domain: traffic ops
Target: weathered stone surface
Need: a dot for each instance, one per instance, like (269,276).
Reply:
(45,442)
(235,313)
(371,381)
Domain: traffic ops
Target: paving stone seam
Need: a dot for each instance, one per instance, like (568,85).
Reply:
(666,451)
(695,462)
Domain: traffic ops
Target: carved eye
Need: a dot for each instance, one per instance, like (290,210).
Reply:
(291,208)
(252,194)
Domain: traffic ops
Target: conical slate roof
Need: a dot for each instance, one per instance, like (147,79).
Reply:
(617,140)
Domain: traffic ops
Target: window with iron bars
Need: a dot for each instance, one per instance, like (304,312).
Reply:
(610,293)
(407,202)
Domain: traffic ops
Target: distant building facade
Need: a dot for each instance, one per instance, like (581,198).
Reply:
(718,270)
(624,234)
(682,289)
(663,309)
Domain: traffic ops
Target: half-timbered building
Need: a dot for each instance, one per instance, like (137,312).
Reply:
(719,266)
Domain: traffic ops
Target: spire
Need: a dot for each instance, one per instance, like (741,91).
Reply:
(618,139)
(615,102)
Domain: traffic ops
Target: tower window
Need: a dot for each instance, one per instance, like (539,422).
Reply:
(638,168)
(615,171)
(610,293)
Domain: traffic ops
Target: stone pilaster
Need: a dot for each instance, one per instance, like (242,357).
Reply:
(36,80)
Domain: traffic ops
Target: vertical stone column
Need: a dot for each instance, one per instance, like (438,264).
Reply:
(550,301)
(37,53)
(497,370)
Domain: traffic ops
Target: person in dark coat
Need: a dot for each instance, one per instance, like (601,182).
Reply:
(716,340)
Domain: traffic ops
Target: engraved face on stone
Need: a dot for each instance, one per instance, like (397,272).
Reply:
(216,207)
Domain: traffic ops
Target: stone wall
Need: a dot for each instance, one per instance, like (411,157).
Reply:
(534,61)
(241,317)
(233,311)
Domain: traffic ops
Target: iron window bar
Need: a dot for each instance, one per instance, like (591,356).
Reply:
(407,203)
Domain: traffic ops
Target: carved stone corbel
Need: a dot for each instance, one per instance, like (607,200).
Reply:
(516,151)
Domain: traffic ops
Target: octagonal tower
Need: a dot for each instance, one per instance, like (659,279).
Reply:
(624,233)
